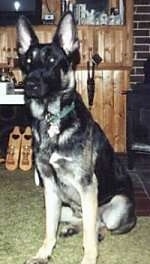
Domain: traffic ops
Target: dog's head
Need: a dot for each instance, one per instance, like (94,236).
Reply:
(47,66)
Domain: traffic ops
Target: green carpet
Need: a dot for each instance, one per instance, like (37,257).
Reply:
(22,229)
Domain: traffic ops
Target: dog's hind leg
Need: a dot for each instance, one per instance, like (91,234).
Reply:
(118,215)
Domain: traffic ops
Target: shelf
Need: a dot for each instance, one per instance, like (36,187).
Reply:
(12,99)
(48,26)
(105,66)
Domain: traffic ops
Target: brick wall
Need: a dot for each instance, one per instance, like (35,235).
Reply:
(141,39)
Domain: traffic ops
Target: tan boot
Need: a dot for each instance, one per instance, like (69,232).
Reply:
(25,162)
(13,149)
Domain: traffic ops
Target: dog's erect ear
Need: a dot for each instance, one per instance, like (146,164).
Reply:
(25,35)
(66,34)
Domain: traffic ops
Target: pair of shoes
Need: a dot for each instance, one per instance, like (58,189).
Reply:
(19,151)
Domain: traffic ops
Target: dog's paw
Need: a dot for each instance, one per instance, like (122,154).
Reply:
(89,260)
(36,261)
(100,237)
(69,231)
(101,233)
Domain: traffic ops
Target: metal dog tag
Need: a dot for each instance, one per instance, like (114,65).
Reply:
(53,130)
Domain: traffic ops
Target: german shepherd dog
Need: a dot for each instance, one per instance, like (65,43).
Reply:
(84,182)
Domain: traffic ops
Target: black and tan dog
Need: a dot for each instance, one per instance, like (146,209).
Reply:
(74,160)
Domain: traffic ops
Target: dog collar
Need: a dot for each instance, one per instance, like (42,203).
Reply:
(53,118)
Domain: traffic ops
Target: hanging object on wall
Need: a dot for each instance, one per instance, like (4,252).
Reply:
(48,16)
(92,62)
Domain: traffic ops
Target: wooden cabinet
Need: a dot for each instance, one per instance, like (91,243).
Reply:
(114,45)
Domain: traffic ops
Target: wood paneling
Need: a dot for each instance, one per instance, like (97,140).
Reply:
(109,103)
(110,42)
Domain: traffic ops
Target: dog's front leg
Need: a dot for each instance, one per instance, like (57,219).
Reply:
(53,209)
(89,212)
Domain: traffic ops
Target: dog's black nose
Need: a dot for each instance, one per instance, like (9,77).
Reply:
(32,86)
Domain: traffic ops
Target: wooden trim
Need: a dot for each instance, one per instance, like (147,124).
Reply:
(129,27)
(106,66)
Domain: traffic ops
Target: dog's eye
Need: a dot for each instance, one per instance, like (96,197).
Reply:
(51,59)
(29,60)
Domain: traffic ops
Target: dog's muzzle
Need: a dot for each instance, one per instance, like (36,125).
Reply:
(32,89)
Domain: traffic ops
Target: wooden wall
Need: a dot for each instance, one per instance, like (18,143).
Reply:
(109,103)
(114,44)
